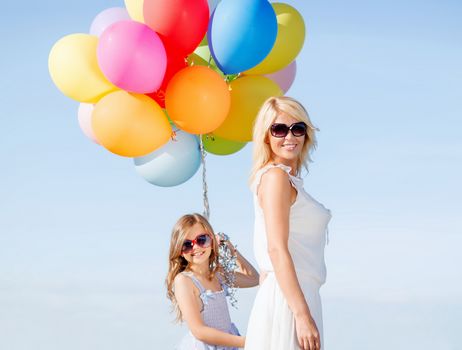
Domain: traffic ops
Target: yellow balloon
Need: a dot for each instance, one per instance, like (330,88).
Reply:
(74,68)
(130,125)
(289,40)
(247,95)
(135,9)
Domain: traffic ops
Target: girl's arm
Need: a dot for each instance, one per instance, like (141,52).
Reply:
(275,196)
(247,276)
(187,297)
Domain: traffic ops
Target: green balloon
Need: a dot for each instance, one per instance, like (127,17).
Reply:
(220,146)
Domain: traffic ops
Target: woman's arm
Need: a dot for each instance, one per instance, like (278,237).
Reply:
(275,196)
(187,297)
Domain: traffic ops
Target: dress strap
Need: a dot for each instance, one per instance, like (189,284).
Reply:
(262,171)
(195,281)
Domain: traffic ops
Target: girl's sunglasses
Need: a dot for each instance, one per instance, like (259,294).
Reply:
(203,240)
(281,130)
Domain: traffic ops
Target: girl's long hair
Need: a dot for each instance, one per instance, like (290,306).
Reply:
(177,263)
(269,111)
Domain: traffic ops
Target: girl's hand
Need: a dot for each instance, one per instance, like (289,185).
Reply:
(227,242)
(307,333)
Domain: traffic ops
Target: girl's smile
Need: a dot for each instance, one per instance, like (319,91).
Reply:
(201,249)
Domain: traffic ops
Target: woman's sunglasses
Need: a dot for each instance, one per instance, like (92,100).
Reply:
(203,240)
(281,130)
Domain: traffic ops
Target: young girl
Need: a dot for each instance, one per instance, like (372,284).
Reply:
(195,285)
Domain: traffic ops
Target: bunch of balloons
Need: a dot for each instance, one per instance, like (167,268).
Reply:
(157,77)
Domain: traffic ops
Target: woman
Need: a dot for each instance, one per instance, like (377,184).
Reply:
(290,232)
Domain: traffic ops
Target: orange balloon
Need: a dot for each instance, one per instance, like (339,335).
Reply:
(247,96)
(197,99)
(130,125)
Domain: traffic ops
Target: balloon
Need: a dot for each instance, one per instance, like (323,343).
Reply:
(105,18)
(130,125)
(247,95)
(196,60)
(172,164)
(289,40)
(197,99)
(241,33)
(284,77)
(132,56)
(84,116)
(182,23)
(74,69)
(175,62)
(220,146)
(203,51)
(212,5)
(135,9)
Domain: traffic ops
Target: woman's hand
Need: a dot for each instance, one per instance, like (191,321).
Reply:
(307,333)
(263,275)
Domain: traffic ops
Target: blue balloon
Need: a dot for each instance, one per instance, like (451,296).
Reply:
(241,34)
(172,164)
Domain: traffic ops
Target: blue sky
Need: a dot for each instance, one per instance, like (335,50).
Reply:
(83,239)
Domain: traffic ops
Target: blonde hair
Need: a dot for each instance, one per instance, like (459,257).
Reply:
(269,111)
(177,263)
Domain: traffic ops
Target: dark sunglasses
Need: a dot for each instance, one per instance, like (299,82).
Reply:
(281,130)
(203,240)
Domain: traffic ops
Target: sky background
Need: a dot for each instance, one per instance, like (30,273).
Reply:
(84,239)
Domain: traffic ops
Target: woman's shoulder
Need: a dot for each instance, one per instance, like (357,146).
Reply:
(276,174)
(273,173)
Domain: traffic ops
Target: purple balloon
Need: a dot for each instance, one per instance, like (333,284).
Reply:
(284,77)
(132,57)
(105,18)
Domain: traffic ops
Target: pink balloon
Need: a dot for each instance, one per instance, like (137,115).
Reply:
(105,18)
(85,111)
(132,57)
(284,77)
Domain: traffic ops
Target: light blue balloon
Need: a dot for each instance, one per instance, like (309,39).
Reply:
(172,164)
(241,34)
(212,5)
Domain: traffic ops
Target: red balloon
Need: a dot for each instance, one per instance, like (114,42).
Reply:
(183,23)
(176,61)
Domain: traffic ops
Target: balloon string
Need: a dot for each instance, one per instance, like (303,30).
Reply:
(204,180)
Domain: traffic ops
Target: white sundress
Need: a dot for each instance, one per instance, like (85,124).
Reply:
(271,324)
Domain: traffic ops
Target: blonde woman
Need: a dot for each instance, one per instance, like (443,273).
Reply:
(290,232)
(197,288)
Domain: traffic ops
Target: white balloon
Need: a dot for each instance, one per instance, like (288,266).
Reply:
(172,164)
(107,17)
(84,115)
